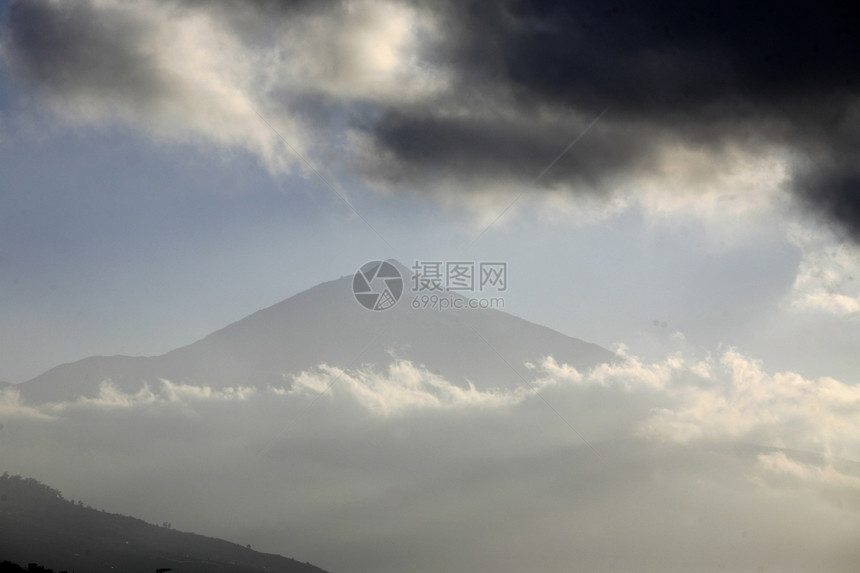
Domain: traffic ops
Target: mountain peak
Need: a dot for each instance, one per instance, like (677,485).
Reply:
(328,324)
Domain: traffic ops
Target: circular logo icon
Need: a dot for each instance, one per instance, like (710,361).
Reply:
(377,285)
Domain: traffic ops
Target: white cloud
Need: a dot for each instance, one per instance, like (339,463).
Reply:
(681,399)
(826,277)
(778,470)
(730,183)
(369,50)
(167,393)
(728,194)
(11,406)
(176,74)
(189,74)
(742,402)
(403,387)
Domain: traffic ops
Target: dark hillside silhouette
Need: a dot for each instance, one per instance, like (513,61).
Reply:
(37,525)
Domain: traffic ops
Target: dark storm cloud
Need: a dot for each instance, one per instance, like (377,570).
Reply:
(708,73)
(832,189)
(477,148)
(75,48)
(665,56)
(514,83)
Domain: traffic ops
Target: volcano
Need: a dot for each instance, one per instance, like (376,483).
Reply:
(332,324)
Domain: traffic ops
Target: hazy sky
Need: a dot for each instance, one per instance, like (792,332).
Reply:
(147,199)
(675,180)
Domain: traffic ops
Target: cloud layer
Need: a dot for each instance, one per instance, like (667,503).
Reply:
(710,463)
(462,99)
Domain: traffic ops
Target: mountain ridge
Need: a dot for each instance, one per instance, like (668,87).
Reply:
(325,325)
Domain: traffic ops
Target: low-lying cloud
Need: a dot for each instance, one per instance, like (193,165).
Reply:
(709,462)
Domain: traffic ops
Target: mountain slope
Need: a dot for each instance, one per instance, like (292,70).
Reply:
(38,525)
(326,325)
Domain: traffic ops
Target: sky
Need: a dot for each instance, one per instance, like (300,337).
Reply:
(171,167)
(674,181)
